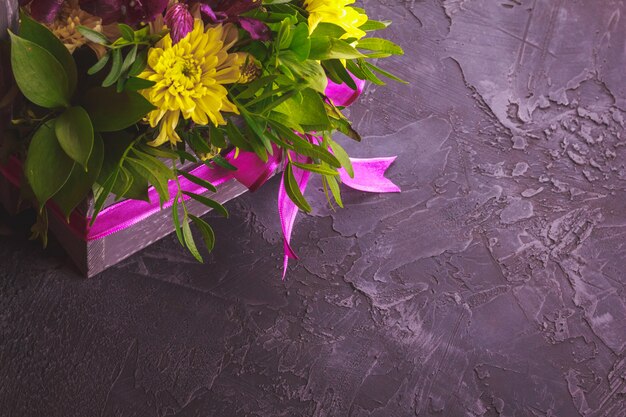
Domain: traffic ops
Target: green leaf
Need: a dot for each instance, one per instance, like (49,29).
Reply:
(301,44)
(47,167)
(208,202)
(101,194)
(123,184)
(139,64)
(310,114)
(127,32)
(285,34)
(380,45)
(111,111)
(310,71)
(198,181)
(220,161)
(99,65)
(189,242)
(156,165)
(129,60)
(176,220)
(355,70)
(360,70)
(384,73)
(186,156)
(41,35)
(207,232)
(331,48)
(158,152)
(136,84)
(334,189)
(256,85)
(139,188)
(116,147)
(236,137)
(336,70)
(75,134)
(316,168)
(255,143)
(116,69)
(277,101)
(372,25)
(93,36)
(303,147)
(198,143)
(258,130)
(155,178)
(343,157)
(79,184)
(324,29)
(293,190)
(39,75)
(343,125)
(216,136)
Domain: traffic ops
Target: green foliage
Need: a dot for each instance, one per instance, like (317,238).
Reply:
(111,111)
(39,34)
(207,232)
(80,182)
(39,75)
(47,166)
(75,134)
(308,112)
(293,190)
(89,132)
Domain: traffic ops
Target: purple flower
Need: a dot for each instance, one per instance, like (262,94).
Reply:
(179,20)
(219,11)
(44,11)
(130,12)
(257,29)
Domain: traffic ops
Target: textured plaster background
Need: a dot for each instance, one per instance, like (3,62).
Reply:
(492,286)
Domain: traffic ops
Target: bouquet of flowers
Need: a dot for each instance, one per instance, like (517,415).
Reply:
(117,97)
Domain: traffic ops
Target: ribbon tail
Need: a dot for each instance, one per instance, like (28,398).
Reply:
(369,175)
(288,211)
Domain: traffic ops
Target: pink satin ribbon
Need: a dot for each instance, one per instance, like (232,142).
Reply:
(251,172)
(369,174)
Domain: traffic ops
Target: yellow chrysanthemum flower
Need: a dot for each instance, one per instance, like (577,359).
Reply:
(190,79)
(337,12)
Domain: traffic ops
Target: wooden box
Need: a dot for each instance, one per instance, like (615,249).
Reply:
(93,254)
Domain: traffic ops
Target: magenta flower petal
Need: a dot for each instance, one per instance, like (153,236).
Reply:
(234,8)
(258,30)
(44,11)
(215,17)
(131,12)
(179,20)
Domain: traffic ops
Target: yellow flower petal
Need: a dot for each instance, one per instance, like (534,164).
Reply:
(336,12)
(190,79)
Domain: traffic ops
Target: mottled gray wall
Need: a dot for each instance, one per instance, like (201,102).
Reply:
(492,286)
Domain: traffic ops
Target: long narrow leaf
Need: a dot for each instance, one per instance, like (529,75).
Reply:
(102,193)
(207,232)
(189,242)
(198,181)
(208,202)
(293,190)
(176,220)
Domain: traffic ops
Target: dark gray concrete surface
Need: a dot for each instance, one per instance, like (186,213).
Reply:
(492,286)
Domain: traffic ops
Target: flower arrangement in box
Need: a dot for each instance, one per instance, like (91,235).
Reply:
(119,98)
